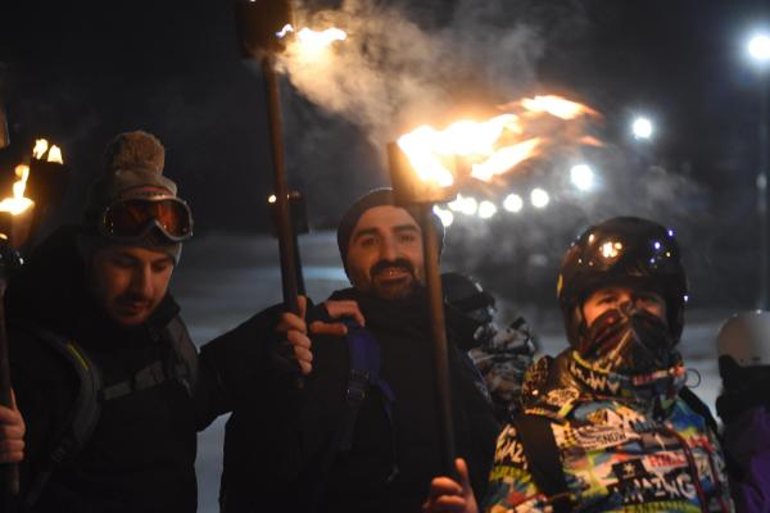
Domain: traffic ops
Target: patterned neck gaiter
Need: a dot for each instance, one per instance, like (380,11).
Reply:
(628,341)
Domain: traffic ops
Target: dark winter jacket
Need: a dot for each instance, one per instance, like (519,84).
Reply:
(276,456)
(623,443)
(141,453)
(747,444)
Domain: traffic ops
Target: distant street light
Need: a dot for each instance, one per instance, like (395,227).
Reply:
(513,203)
(758,48)
(582,177)
(642,128)
(487,209)
(539,198)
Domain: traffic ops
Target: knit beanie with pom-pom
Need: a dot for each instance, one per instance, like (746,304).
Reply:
(133,169)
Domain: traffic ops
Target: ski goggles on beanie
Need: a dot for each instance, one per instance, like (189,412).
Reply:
(132,219)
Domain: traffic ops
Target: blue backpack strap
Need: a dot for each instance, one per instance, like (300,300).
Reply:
(364,373)
(364,357)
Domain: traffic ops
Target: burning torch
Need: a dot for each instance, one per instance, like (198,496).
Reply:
(266,28)
(428,167)
(259,23)
(16,220)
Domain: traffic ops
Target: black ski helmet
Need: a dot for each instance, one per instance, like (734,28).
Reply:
(622,251)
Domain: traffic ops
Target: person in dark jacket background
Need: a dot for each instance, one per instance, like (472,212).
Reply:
(105,376)
(743,344)
(292,455)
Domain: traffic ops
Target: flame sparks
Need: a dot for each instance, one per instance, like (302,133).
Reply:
(18,203)
(54,155)
(41,148)
(314,40)
(556,106)
(486,149)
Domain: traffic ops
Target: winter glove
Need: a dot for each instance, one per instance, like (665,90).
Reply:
(503,359)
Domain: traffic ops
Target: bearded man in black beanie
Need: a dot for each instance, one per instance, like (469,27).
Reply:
(108,385)
(361,433)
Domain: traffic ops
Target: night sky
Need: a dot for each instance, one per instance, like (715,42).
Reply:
(79,73)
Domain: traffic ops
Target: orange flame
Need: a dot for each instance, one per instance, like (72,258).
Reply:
(557,106)
(18,203)
(41,148)
(314,41)
(492,147)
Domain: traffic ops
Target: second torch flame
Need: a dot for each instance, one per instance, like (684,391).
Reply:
(314,39)
(488,148)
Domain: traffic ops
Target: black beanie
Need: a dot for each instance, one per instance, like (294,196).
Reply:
(377,198)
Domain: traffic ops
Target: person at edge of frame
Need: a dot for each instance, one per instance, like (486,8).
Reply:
(109,389)
(351,444)
(743,345)
(502,355)
(608,425)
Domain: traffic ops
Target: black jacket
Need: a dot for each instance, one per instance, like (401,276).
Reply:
(141,454)
(275,451)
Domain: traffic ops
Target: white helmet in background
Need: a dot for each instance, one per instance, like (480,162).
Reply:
(745,338)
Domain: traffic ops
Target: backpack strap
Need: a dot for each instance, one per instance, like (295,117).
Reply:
(543,457)
(699,407)
(85,410)
(180,362)
(364,373)
(364,354)
(185,354)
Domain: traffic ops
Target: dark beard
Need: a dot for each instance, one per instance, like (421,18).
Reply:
(397,290)
(635,343)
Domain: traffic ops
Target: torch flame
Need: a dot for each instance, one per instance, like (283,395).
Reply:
(18,203)
(556,106)
(40,149)
(41,146)
(54,155)
(505,158)
(492,147)
(313,40)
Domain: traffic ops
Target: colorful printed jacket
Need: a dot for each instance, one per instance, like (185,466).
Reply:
(625,444)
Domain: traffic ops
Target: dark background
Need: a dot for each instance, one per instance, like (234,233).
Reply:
(81,72)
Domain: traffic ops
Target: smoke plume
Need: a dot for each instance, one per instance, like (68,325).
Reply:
(393,72)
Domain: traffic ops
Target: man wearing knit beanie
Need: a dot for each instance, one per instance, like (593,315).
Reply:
(381,245)
(108,383)
(348,445)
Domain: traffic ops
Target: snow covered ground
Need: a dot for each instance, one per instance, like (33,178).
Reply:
(224,279)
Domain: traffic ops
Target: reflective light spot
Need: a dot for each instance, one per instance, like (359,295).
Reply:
(611,249)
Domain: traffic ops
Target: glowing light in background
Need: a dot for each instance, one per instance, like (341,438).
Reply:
(513,203)
(539,198)
(642,128)
(446,216)
(465,205)
(487,209)
(582,177)
(759,47)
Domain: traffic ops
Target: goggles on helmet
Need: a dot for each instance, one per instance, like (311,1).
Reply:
(132,219)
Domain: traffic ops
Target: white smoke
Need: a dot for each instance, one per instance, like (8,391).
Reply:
(392,73)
